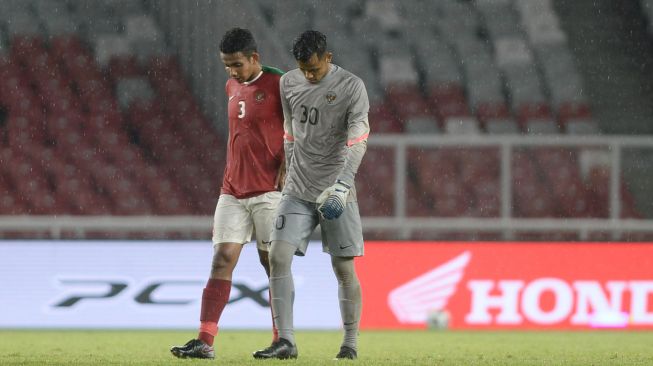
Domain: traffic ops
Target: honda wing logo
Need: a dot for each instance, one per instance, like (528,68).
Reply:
(413,301)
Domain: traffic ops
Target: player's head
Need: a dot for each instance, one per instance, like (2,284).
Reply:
(310,51)
(239,54)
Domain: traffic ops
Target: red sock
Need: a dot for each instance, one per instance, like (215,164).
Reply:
(214,299)
(275,331)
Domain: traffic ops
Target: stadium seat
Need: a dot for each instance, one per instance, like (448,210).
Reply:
(462,126)
(496,126)
(383,120)
(407,101)
(123,67)
(421,125)
(582,126)
(541,127)
(377,199)
(491,110)
(529,111)
(572,110)
(487,197)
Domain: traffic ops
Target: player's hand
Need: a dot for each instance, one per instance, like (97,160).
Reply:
(333,200)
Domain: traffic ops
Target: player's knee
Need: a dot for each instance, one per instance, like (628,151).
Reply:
(277,260)
(223,260)
(344,270)
(264,259)
(280,257)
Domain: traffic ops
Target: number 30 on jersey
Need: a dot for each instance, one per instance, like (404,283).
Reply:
(310,115)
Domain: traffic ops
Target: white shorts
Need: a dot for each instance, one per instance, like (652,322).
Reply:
(236,219)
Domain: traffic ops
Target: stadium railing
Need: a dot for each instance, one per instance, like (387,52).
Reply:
(400,225)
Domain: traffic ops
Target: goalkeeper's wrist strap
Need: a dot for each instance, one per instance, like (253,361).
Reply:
(343,183)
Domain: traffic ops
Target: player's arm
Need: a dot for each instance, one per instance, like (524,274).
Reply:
(288,138)
(333,200)
(281,174)
(358,129)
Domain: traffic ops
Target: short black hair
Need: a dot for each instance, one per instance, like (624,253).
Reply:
(238,40)
(307,44)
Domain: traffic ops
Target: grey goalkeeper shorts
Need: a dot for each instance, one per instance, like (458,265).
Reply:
(296,219)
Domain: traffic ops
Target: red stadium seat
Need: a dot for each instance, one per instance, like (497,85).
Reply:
(23,131)
(407,102)
(491,110)
(121,67)
(487,197)
(376,182)
(561,172)
(573,110)
(446,93)
(24,48)
(530,111)
(418,202)
(559,236)
(383,120)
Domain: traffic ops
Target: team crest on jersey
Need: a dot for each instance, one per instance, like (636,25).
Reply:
(259,96)
(331,96)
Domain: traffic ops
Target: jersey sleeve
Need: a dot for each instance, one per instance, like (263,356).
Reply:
(358,126)
(287,114)
(357,132)
(272,70)
(288,137)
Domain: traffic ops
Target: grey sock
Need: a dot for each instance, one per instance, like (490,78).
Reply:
(349,297)
(282,288)
(350,310)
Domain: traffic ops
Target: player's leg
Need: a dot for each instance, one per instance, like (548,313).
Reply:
(282,294)
(295,221)
(349,298)
(263,210)
(263,256)
(343,239)
(216,293)
(232,227)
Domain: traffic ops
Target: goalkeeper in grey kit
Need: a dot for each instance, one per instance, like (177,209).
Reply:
(326,127)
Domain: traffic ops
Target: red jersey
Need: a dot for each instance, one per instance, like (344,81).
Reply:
(255,148)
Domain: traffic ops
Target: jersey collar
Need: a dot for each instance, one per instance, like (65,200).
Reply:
(332,69)
(253,80)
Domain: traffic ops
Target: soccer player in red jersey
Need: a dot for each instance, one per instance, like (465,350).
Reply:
(253,176)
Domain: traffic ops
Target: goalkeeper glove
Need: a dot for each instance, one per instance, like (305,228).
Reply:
(333,200)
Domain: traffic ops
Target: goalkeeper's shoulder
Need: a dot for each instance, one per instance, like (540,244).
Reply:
(272,70)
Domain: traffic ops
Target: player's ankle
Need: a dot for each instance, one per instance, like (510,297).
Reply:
(206,338)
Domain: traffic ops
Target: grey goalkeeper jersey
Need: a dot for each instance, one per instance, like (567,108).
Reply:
(323,122)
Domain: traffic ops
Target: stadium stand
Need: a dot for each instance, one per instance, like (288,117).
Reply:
(98,120)
(98,117)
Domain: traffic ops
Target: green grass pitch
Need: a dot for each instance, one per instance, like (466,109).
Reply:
(73,347)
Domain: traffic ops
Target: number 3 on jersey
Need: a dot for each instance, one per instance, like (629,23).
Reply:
(241,105)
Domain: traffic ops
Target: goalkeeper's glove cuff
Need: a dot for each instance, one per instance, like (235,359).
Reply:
(344,184)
